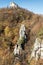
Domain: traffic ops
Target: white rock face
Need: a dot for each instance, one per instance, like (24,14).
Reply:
(12,5)
(17,49)
(22,31)
(40,52)
(37,49)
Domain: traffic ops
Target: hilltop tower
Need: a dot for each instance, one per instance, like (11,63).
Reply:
(13,5)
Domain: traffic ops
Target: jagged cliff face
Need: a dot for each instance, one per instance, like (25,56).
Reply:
(10,22)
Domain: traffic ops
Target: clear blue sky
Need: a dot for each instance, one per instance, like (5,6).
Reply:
(35,6)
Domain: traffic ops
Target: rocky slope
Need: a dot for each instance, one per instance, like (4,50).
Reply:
(10,22)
